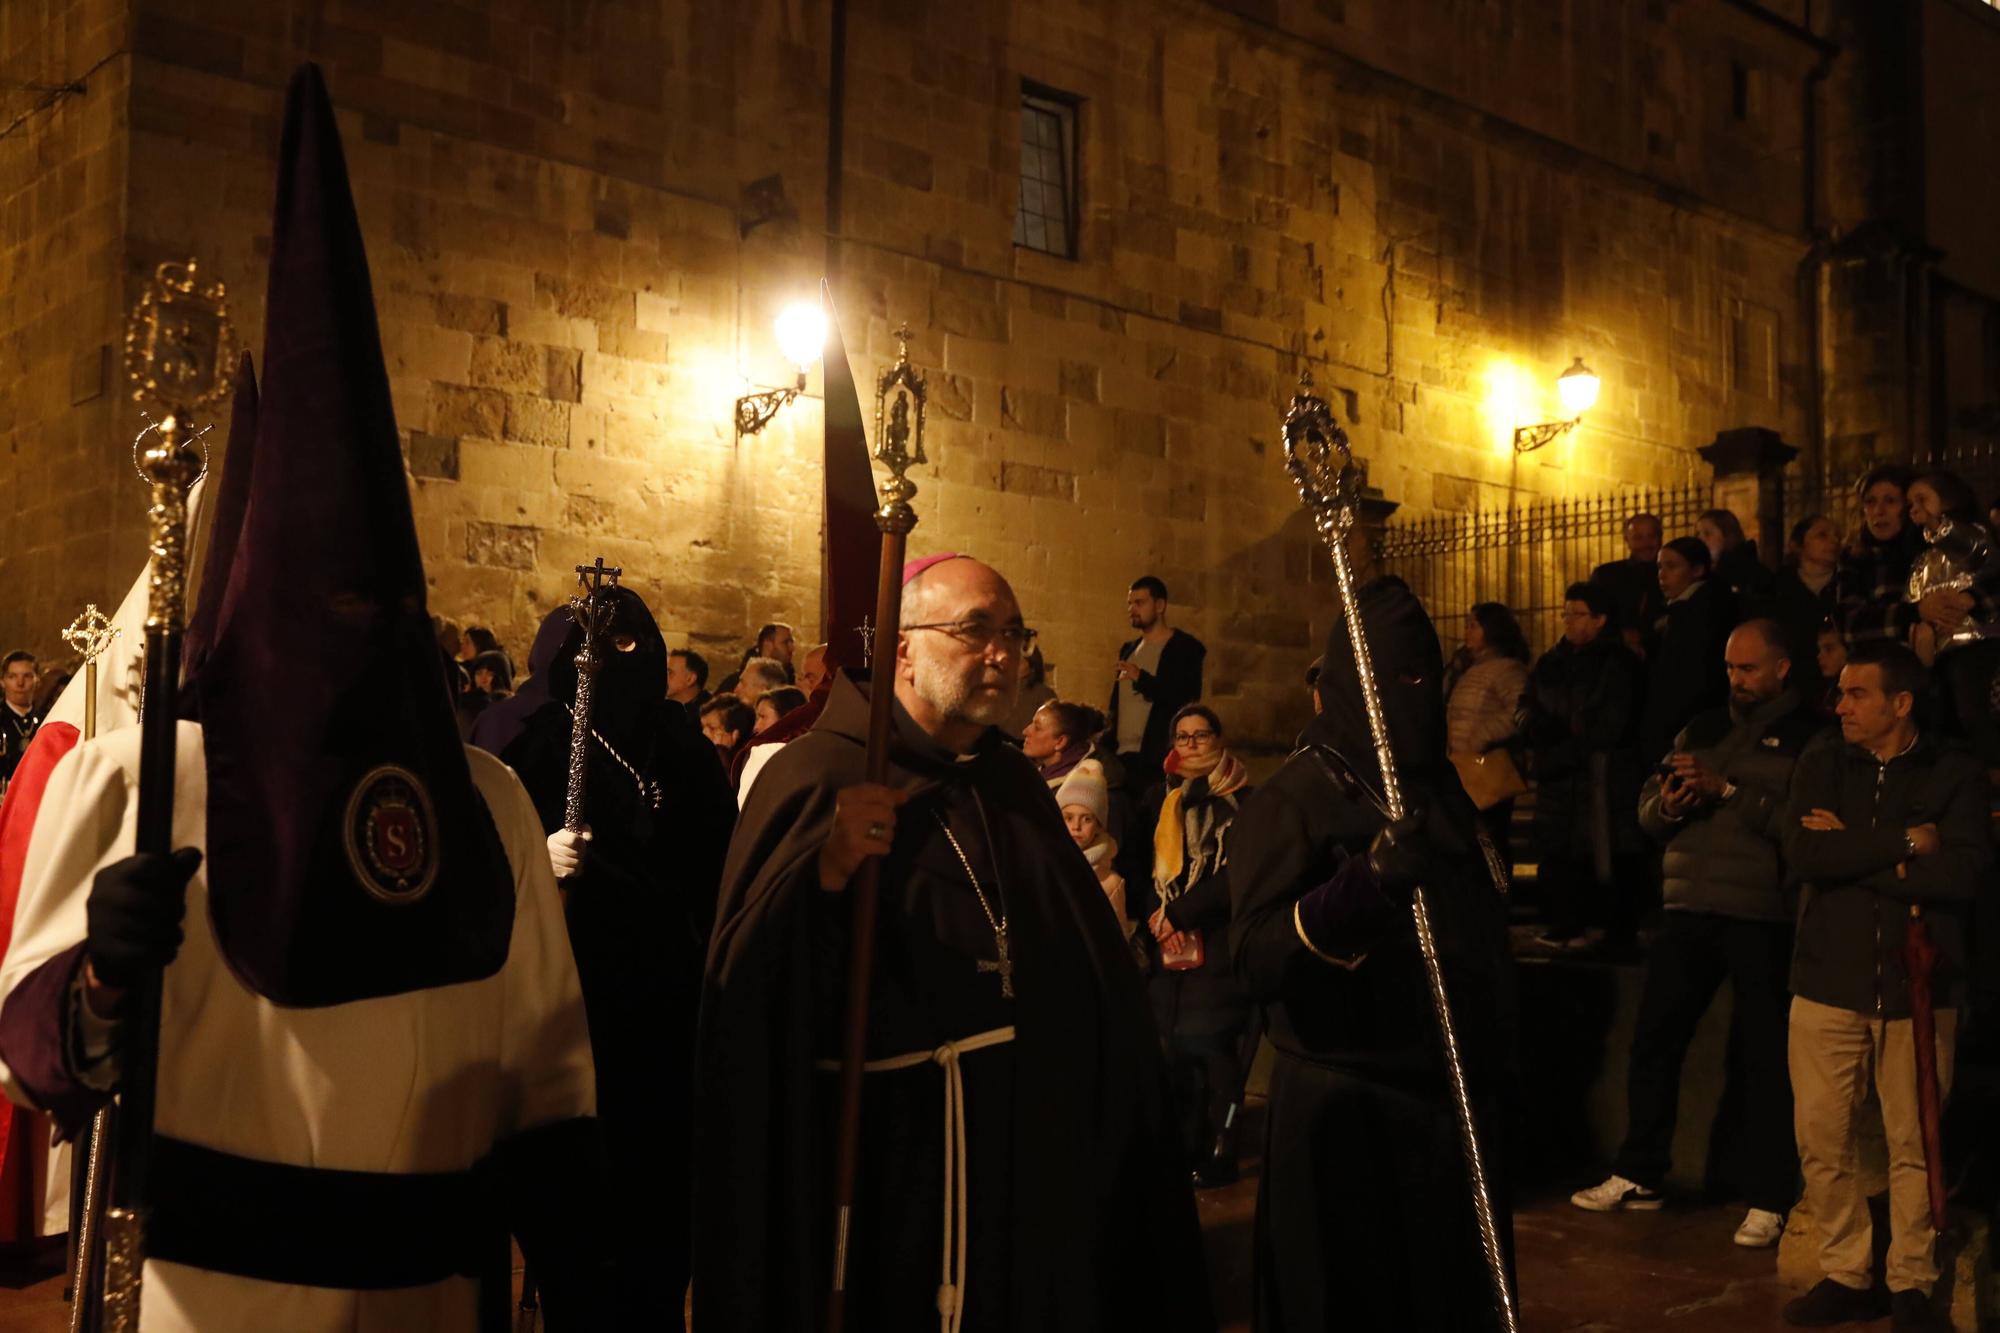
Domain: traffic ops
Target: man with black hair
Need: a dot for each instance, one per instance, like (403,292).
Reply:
(18,720)
(727,722)
(1581,731)
(1887,825)
(775,643)
(687,681)
(1158,674)
(1634,582)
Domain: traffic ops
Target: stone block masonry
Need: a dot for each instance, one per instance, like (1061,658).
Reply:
(572,293)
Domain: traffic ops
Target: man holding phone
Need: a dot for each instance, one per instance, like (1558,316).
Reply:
(1717,802)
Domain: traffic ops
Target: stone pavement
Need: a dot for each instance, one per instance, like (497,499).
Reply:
(1580,1272)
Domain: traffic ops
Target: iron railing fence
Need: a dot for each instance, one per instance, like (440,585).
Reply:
(1524,556)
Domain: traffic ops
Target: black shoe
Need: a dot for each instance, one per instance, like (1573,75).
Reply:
(1910,1312)
(1830,1303)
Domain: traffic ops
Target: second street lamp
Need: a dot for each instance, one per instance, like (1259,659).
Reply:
(801,333)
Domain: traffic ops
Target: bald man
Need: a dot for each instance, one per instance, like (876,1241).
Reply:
(1007,1026)
(1717,803)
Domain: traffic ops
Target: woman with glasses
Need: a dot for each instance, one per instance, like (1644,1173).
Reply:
(1202,1013)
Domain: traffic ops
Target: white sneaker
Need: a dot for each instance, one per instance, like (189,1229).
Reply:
(1618,1195)
(1760,1229)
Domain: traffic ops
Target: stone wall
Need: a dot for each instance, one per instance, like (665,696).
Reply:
(576,280)
(74,502)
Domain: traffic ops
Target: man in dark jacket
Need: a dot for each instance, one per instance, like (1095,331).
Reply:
(1581,733)
(1158,673)
(1886,826)
(1634,582)
(1718,804)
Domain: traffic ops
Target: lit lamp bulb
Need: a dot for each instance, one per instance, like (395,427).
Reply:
(801,330)
(1577,387)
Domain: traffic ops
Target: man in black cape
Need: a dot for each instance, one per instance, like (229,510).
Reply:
(639,890)
(1078,1218)
(1365,1217)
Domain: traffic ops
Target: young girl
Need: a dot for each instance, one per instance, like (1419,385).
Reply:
(1086,804)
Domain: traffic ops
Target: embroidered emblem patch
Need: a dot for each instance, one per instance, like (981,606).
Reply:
(391,835)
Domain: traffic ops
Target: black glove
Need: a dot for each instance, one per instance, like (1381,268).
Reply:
(1397,856)
(135,912)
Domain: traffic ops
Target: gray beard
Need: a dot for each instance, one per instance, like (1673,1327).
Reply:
(957,702)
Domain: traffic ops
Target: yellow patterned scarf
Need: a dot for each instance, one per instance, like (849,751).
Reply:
(1224,774)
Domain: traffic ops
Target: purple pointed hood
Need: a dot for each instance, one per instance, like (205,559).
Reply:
(349,854)
(225,529)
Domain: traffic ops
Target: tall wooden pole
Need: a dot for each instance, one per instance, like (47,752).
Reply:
(899,445)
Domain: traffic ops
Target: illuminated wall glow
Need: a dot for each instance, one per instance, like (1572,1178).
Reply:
(1509,401)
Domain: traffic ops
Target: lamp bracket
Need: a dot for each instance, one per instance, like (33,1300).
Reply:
(1527,439)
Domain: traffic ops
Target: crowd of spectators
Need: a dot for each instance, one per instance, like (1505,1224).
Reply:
(1778,779)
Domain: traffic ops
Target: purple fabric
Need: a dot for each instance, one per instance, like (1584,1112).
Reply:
(32,1042)
(1347,916)
(500,723)
(853,544)
(913,568)
(232,498)
(325,667)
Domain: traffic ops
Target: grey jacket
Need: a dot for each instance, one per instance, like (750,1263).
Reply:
(1724,857)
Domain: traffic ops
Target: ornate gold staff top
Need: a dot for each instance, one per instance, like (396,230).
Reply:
(1317,456)
(89,635)
(177,348)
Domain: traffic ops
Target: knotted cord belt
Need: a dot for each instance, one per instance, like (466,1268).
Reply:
(957,1203)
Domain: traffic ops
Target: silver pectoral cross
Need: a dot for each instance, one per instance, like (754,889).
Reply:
(1004,965)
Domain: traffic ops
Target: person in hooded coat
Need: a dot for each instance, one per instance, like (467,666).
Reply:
(639,888)
(498,725)
(373,1063)
(1076,1216)
(1364,1215)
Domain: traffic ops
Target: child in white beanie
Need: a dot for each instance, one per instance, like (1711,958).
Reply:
(1086,808)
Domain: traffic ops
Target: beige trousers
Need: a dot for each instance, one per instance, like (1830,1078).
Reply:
(1836,1056)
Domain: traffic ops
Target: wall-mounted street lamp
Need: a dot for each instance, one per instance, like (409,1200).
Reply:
(1577,387)
(801,330)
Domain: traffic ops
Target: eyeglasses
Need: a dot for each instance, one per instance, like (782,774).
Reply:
(980,635)
(1193,738)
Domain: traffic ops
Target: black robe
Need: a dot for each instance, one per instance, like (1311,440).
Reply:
(639,911)
(1081,1219)
(1364,1217)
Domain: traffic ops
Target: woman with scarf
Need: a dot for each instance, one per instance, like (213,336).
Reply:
(1874,570)
(1204,1016)
(639,886)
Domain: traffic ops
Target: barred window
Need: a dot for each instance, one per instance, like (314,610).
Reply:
(1046,218)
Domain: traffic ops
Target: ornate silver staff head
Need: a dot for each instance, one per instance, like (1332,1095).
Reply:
(90,634)
(1322,467)
(900,399)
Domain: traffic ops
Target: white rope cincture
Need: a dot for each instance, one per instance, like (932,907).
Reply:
(957,1197)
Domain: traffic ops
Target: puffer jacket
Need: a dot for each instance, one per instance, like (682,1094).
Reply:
(1480,711)
(1724,857)
(1854,909)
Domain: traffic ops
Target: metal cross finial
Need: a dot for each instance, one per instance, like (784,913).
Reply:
(90,634)
(594,576)
(867,633)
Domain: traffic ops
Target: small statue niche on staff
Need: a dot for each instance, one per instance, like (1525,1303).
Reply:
(178,350)
(592,612)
